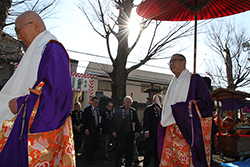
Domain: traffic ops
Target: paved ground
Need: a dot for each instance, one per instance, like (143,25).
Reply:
(217,160)
(99,162)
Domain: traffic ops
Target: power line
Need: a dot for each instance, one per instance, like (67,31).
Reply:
(99,56)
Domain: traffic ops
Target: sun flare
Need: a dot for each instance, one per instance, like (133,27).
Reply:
(134,28)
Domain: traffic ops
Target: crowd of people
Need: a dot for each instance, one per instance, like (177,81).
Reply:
(172,126)
(90,124)
(171,138)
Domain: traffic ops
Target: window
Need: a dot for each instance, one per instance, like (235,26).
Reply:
(104,85)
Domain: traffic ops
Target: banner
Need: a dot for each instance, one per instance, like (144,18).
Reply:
(82,82)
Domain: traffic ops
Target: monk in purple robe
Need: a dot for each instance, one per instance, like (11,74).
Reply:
(183,143)
(50,64)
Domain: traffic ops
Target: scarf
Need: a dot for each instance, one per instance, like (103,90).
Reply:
(177,92)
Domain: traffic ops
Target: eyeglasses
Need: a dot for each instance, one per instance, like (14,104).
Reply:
(16,28)
(173,60)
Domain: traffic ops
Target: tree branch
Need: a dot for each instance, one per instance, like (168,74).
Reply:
(91,22)
(108,47)
(161,44)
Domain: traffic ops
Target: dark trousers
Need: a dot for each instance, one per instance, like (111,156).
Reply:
(125,144)
(78,139)
(92,145)
(105,141)
(151,149)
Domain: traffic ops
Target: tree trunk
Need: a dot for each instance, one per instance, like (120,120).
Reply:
(119,74)
(4,8)
(119,77)
(229,68)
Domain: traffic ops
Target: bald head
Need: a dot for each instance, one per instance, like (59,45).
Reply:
(32,16)
(28,25)
(157,100)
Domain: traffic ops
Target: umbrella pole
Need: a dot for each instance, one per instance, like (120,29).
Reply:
(195,39)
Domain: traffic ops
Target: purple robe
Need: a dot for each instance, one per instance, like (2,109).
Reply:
(160,139)
(54,108)
(198,91)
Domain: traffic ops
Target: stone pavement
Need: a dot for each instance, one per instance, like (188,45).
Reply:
(81,160)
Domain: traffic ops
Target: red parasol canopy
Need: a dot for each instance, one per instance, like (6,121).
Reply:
(186,10)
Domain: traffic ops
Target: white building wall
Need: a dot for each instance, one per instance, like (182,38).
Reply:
(86,100)
(134,90)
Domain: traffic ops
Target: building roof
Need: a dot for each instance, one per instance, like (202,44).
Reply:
(222,93)
(136,75)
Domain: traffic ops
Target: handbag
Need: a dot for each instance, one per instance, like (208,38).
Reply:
(50,148)
(206,126)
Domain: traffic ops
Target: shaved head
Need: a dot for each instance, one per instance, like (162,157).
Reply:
(31,16)
(29,25)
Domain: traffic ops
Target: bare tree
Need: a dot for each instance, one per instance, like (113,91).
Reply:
(110,19)
(10,9)
(230,65)
(11,50)
(4,8)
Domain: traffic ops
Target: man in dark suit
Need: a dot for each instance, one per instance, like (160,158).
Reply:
(77,122)
(92,121)
(107,117)
(126,127)
(151,119)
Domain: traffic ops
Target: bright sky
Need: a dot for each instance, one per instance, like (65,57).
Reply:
(72,29)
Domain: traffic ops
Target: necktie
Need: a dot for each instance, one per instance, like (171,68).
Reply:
(96,117)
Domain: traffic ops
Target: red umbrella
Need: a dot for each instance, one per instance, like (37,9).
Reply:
(186,10)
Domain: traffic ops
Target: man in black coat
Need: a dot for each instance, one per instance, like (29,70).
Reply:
(77,122)
(126,127)
(92,125)
(107,117)
(151,119)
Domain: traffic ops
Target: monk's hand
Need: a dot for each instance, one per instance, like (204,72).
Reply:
(13,105)
(146,135)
